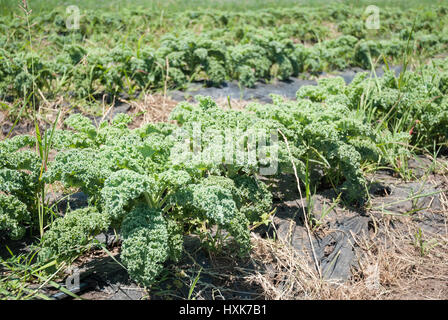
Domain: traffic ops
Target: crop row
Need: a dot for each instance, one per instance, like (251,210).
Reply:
(188,57)
(137,185)
(262,45)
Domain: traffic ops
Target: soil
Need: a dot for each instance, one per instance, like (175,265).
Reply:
(261,91)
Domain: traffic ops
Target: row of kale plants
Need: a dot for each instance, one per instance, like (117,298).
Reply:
(137,186)
(211,46)
(184,58)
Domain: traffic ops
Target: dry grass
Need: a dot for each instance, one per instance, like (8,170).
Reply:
(333,29)
(2,121)
(151,108)
(157,108)
(287,274)
(391,268)
(394,264)
(235,104)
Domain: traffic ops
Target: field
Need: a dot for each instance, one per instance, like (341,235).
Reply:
(223,150)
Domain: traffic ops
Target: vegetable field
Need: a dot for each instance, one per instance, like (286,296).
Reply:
(340,192)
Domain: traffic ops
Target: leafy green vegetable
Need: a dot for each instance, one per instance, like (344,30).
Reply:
(71,236)
(13,216)
(19,184)
(247,46)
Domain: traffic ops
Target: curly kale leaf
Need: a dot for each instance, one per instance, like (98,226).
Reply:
(71,235)
(82,168)
(16,143)
(13,216)
(124,186)
(251,196)
(146,244)
(19,181)
(12,181)
(215,204)
(81,124)
(256,198)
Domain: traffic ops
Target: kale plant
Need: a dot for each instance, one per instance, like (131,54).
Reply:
(134,186)
(19,185)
